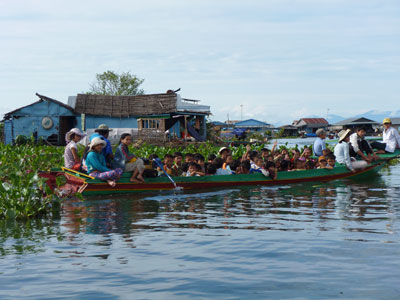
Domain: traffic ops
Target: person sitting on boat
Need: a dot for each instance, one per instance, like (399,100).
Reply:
(228,162)
(189,157)
(103,131)
(359,146)
(223,153)
(342,153)
(177,167)
(127,161)
(219,163)
(211,169)
(331,160)
(265,153)
(257,165)
(96,163)
(71,156)
(294,159)
(199,159)
(319,144)
(168,163)
(323,163)
(244,167)
(391,138)
(194,169)
(309,163)
(211,158)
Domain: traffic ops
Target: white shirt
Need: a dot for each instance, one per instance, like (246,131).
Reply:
(341,152)
(354,139)
(392,139)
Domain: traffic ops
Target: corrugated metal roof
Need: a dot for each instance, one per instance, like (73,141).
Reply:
(315,121)
(251,122)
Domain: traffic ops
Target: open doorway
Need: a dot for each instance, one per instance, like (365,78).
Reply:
(66,124)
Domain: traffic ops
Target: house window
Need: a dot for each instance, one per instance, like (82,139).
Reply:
(150,124)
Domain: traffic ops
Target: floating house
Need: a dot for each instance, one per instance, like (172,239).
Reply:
(354,123)
(310,125)
(46,118)
(252,125)
(288,130)
(147,116)
(395,122)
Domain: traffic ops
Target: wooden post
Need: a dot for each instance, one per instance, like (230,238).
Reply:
(186,132)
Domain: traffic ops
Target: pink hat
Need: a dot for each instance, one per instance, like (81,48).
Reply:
(73,131)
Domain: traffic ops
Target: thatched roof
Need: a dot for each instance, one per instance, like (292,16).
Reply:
(125,106)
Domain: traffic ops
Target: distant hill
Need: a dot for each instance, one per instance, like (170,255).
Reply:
(378,116)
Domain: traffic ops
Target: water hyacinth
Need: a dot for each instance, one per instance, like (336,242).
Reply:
(23,193)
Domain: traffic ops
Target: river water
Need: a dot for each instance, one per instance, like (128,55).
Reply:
(337,240)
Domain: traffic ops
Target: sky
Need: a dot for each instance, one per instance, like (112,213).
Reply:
(280,59)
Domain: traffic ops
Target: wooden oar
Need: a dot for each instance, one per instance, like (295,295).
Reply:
(77,173)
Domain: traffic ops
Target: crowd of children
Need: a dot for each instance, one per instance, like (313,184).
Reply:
(100,162)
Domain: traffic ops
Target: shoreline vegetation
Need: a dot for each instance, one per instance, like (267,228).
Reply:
(25,195)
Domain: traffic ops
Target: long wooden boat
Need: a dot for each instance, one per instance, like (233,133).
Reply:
(88,185)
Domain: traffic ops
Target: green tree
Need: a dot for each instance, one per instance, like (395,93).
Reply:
(113,84)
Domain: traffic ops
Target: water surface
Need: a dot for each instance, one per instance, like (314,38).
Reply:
(336,240)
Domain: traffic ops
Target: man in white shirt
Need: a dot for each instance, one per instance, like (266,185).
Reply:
(391,138)
(341,152)
(359,146)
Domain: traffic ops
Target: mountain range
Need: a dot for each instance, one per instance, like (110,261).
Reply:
(374,115)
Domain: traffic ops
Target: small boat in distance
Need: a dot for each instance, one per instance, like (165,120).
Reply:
(88,185)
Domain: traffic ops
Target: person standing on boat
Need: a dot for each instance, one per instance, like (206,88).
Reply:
(359,146)
(96,163)
(342,153)
(319,144)
(102,132)
(391,138)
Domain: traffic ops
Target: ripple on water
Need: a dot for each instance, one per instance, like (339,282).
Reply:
(309,241)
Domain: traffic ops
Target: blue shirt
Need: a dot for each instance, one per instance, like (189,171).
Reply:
(319,146)
(107,149)
(96,162)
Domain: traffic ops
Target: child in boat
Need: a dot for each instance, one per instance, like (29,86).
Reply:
(211,169)
(331,159)
(323,163)
(223,153)
(189,157)
(227,163)
(96,163)
(211,158)
(126,160)
(219,163)
(167,165)
(194,169)
(199,159)
(71,157)
(306,157)
(294,159)
(265,153)
(244,167)
(177,167)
